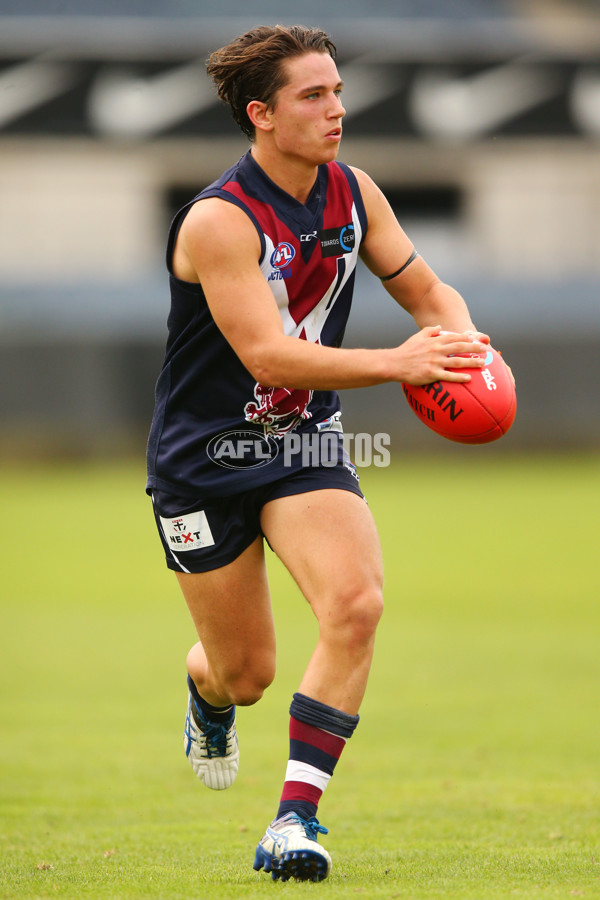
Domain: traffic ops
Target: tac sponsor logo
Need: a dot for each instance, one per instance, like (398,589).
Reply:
(490,381)
(242,450)
(337,241)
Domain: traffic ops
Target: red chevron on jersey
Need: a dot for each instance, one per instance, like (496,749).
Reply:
(308,258)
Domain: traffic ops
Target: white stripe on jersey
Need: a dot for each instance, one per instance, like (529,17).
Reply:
(313,323)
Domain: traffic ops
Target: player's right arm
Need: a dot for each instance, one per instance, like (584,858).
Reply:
(218,246)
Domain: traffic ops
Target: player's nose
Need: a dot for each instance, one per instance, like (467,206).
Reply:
(336,108)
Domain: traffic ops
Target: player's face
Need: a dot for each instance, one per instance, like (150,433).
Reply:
(307,115)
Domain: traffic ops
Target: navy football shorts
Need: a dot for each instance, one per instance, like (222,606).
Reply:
(200,535)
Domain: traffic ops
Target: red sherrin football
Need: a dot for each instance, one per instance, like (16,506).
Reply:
(472,412)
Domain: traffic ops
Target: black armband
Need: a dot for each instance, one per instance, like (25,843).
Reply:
(412,256)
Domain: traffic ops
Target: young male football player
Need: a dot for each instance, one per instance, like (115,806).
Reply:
(261,267)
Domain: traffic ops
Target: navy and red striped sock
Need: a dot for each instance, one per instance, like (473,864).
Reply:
(318,734)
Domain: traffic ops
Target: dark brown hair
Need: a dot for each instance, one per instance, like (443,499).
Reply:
(250,67)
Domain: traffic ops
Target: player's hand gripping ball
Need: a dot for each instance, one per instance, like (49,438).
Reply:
(471,412)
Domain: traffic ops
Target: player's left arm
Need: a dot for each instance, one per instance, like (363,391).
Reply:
(386,249)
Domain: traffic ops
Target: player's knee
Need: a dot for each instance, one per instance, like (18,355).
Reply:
(366,611)
(246,692)
(353,618)
(245,686)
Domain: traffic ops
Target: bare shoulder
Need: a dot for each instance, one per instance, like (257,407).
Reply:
(215,232)
(213,218)
(365,182)
(374,199)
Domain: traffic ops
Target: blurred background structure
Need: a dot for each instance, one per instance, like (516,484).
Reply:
(480,119)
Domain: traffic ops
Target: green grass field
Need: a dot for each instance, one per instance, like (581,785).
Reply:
(475,771)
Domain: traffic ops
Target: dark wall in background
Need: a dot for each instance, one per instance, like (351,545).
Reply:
(95,397)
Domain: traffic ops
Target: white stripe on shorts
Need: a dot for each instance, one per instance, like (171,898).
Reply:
(182,567)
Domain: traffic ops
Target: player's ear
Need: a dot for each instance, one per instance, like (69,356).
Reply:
(260,115)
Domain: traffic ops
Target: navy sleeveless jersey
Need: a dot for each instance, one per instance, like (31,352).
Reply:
(208,405)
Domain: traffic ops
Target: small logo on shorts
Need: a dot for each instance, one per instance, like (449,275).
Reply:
(242,450)
(189,532)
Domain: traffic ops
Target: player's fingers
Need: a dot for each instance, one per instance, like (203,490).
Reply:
(472,360)
(454,376)
(478,336)
(466,347)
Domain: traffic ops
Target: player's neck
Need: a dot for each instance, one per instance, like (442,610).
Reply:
(295,176)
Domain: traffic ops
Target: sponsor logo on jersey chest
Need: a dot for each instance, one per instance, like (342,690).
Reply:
(337,241)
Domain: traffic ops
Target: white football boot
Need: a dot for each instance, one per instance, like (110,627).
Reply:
(289,849)
(211,747)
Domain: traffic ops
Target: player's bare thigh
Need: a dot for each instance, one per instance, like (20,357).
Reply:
(329,542)
(231,609)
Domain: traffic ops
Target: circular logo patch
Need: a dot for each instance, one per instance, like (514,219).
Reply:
(282,255)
